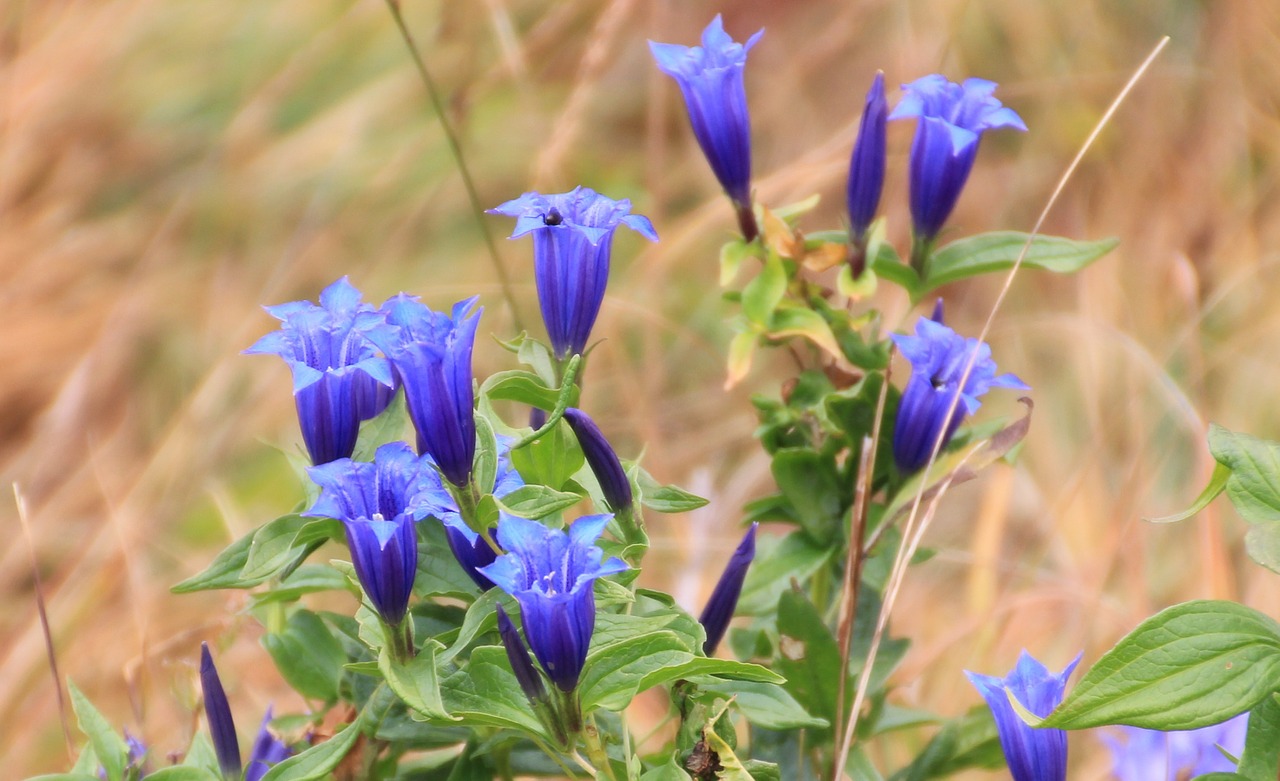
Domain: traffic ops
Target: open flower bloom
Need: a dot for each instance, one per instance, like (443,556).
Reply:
(604,463)
(866,164)
(1150,755)
(711,78)
(431,352)
(552,574)
(938,357)
(470,549)
(724,598)
(952,118)
(377,504)
(267,749)
(572,244)
(338,377)
(1032,754)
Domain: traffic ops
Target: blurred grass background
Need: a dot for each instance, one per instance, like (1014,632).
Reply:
(166,168)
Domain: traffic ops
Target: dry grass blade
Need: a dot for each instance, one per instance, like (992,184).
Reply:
(911,534)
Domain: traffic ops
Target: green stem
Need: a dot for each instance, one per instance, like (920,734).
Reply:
(562,403)
(595,750)
(921,253)
(400,641)
(451,136)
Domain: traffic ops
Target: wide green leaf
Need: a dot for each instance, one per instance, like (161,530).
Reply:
(1189,666)
(663,498)
(766,705)
(998,250)
(538,501)
(763,294)
(418,682)
(487,693)
(970,741)
(223,571)
(523,387)
(1261,758)
(278,546)
(107,744)
(777,562)
(181,773)
(550,460)
(308,656)
(318,761)
(1254,484)
(809,481)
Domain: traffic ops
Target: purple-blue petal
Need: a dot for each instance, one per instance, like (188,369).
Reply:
(1032,754)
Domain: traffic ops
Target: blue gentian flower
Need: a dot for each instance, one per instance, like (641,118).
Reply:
(526,674)
(431,352)
(711,78)
(866,164)
(604,463)
(552,574)
(470,549)
(217,710)
(572,242)
(267,751)
(1032,754)
(378,506)
(938,357)
(337,372)
(724,598)
(1151,755)
(135,759)
(953,118)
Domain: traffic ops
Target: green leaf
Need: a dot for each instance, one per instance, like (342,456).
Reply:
(970,741)
(523,387)
(486,693)
(1217,482)
(766,705)
(537,501)
(109,746)
(278,545)
(1261,758)
(550,460)
(223,571)
(663,498)
(997,251)
(809,481)
(742,349)
(777,562)
(800,321)
(484,465)
(66,777)
(389,426)
(763,294)
(667,771)
(181,773)
(887,265)
(318,761)
(1189,666)
(307,579)
(1254,484)
(731,256)
(418,682)
(808,655)
(1262,543)
(613,675)
(308,656)
(439,573)
(481,617)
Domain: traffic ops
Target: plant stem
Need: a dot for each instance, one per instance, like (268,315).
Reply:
(595,750)
(400,641)
(451,136)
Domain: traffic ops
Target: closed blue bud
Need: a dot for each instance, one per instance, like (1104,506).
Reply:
(267,751)
(711,78)
(526,674)
(552,574)
(952,118)
(1032,754)
(470,549)
(337,373)
(378,506)
(603,461)
(724,598)
(866,164)
(1150,755)
(938,357)
(572,244)
(431,352)
(222,728)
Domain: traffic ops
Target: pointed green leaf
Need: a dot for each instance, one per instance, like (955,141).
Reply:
(308,656)
(799,321)
(523,387)
(997,251)
(318,761)
(223,571)
(389,426)
(181,773)
(664,498)
(418,682)
(1189,666)
(109,746)
(1217,483)
(538,501)
(487,693)
(1260,760)
(766,705)
(763,294)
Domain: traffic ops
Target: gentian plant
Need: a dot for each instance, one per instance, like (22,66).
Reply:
(470,609)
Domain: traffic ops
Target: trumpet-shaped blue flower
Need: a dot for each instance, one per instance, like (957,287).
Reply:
(952,118)
(378,506)
(1151,755)
(552,574)
(431,352)
(724,598)
(938,357)
(337,373)
(866,164)
(1032,754)
(603,461)
(711,78)
(470,549)
(267,748)
(572,244)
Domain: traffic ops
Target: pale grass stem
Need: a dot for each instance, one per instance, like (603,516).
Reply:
(911,534)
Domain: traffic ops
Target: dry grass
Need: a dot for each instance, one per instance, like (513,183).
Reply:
(166,168)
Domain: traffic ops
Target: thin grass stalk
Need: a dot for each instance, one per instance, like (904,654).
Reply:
(910,531)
